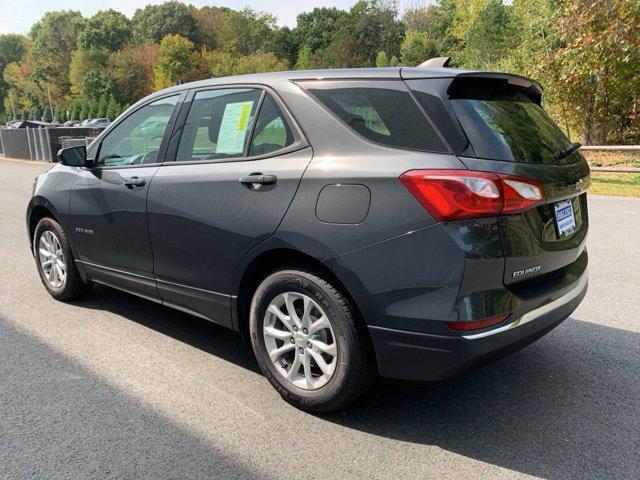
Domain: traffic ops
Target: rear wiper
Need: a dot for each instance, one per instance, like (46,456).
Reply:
(565,152)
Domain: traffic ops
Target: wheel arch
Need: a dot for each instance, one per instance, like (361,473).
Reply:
(277,259)
(40,208)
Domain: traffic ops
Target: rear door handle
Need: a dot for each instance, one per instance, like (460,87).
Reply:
(133,182)
(258,179)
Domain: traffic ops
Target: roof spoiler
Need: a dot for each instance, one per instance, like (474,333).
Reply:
(437,62)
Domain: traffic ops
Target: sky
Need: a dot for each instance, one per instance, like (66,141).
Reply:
(18,15)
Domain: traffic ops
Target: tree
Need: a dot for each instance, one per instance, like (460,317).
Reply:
(131,71)
(491,37)
(154,22)
(46,115)
(376,28)
(317,28)
(603,88)
(382,60)
(246,32)
(436,21)
(12,48)
(34,114)
(58,115)
(342,52)
(54,38)
(178,62)
(209,22)
(225,64)
(305,59)
(83,61)
(113,109)
(107,29)
(95,85)
(416,48)
(284,46)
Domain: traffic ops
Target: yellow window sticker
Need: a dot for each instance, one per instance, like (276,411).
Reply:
(233,128)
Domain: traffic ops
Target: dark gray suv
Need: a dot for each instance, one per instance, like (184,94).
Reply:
(402,222)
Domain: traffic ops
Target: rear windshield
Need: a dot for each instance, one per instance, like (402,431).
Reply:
(383,112)
(504,122)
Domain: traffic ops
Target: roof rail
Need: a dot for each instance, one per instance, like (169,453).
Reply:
(437,62)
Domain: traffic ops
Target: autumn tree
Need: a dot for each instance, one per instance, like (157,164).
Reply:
(209,22)
(131,71)
(598,67)
(54,39)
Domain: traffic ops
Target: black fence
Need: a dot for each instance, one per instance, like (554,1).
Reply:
(42,144)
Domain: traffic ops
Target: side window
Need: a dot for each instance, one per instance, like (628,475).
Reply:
(136,140)
(381,111)
(271,132)
(218,124)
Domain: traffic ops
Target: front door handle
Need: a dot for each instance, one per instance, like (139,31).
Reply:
(258,179)
(133,182)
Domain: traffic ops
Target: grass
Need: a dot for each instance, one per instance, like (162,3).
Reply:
(620,184)
(612,158)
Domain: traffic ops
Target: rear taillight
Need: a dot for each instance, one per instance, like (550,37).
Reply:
(458,194)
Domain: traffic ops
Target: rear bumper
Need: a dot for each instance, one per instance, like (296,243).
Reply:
(423,356)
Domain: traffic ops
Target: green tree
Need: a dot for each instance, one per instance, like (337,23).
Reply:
(376,28)
(46,115)
(317,28)
(305,59)
(382,60)
(113,109)
(225,64)
(246,32)
(12,48)
(416,48)
(491,37)
(95,85)
(107,29)
(178,62)
(54,38)
(284,46)
(436,21)
(35,114)
(154,22)
(83,61)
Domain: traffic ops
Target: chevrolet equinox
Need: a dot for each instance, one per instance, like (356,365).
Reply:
(402,222)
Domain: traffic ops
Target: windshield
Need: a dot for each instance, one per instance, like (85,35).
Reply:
(507,124)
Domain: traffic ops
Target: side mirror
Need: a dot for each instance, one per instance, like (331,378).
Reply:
(73,156)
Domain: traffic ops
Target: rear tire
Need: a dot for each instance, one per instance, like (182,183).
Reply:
(55,262)
(325,363)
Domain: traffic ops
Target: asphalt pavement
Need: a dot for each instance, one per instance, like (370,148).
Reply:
(114,386)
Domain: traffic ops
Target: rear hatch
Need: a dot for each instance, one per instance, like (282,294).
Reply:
(495,123)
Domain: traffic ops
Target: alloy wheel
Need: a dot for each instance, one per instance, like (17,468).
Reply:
(52,259)
(300,341)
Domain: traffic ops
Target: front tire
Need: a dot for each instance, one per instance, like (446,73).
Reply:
(55,262)
(307,342)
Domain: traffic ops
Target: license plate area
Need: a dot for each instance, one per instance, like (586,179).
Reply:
(565,219)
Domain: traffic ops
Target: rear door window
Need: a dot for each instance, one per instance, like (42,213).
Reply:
(381,111)
(218,124)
